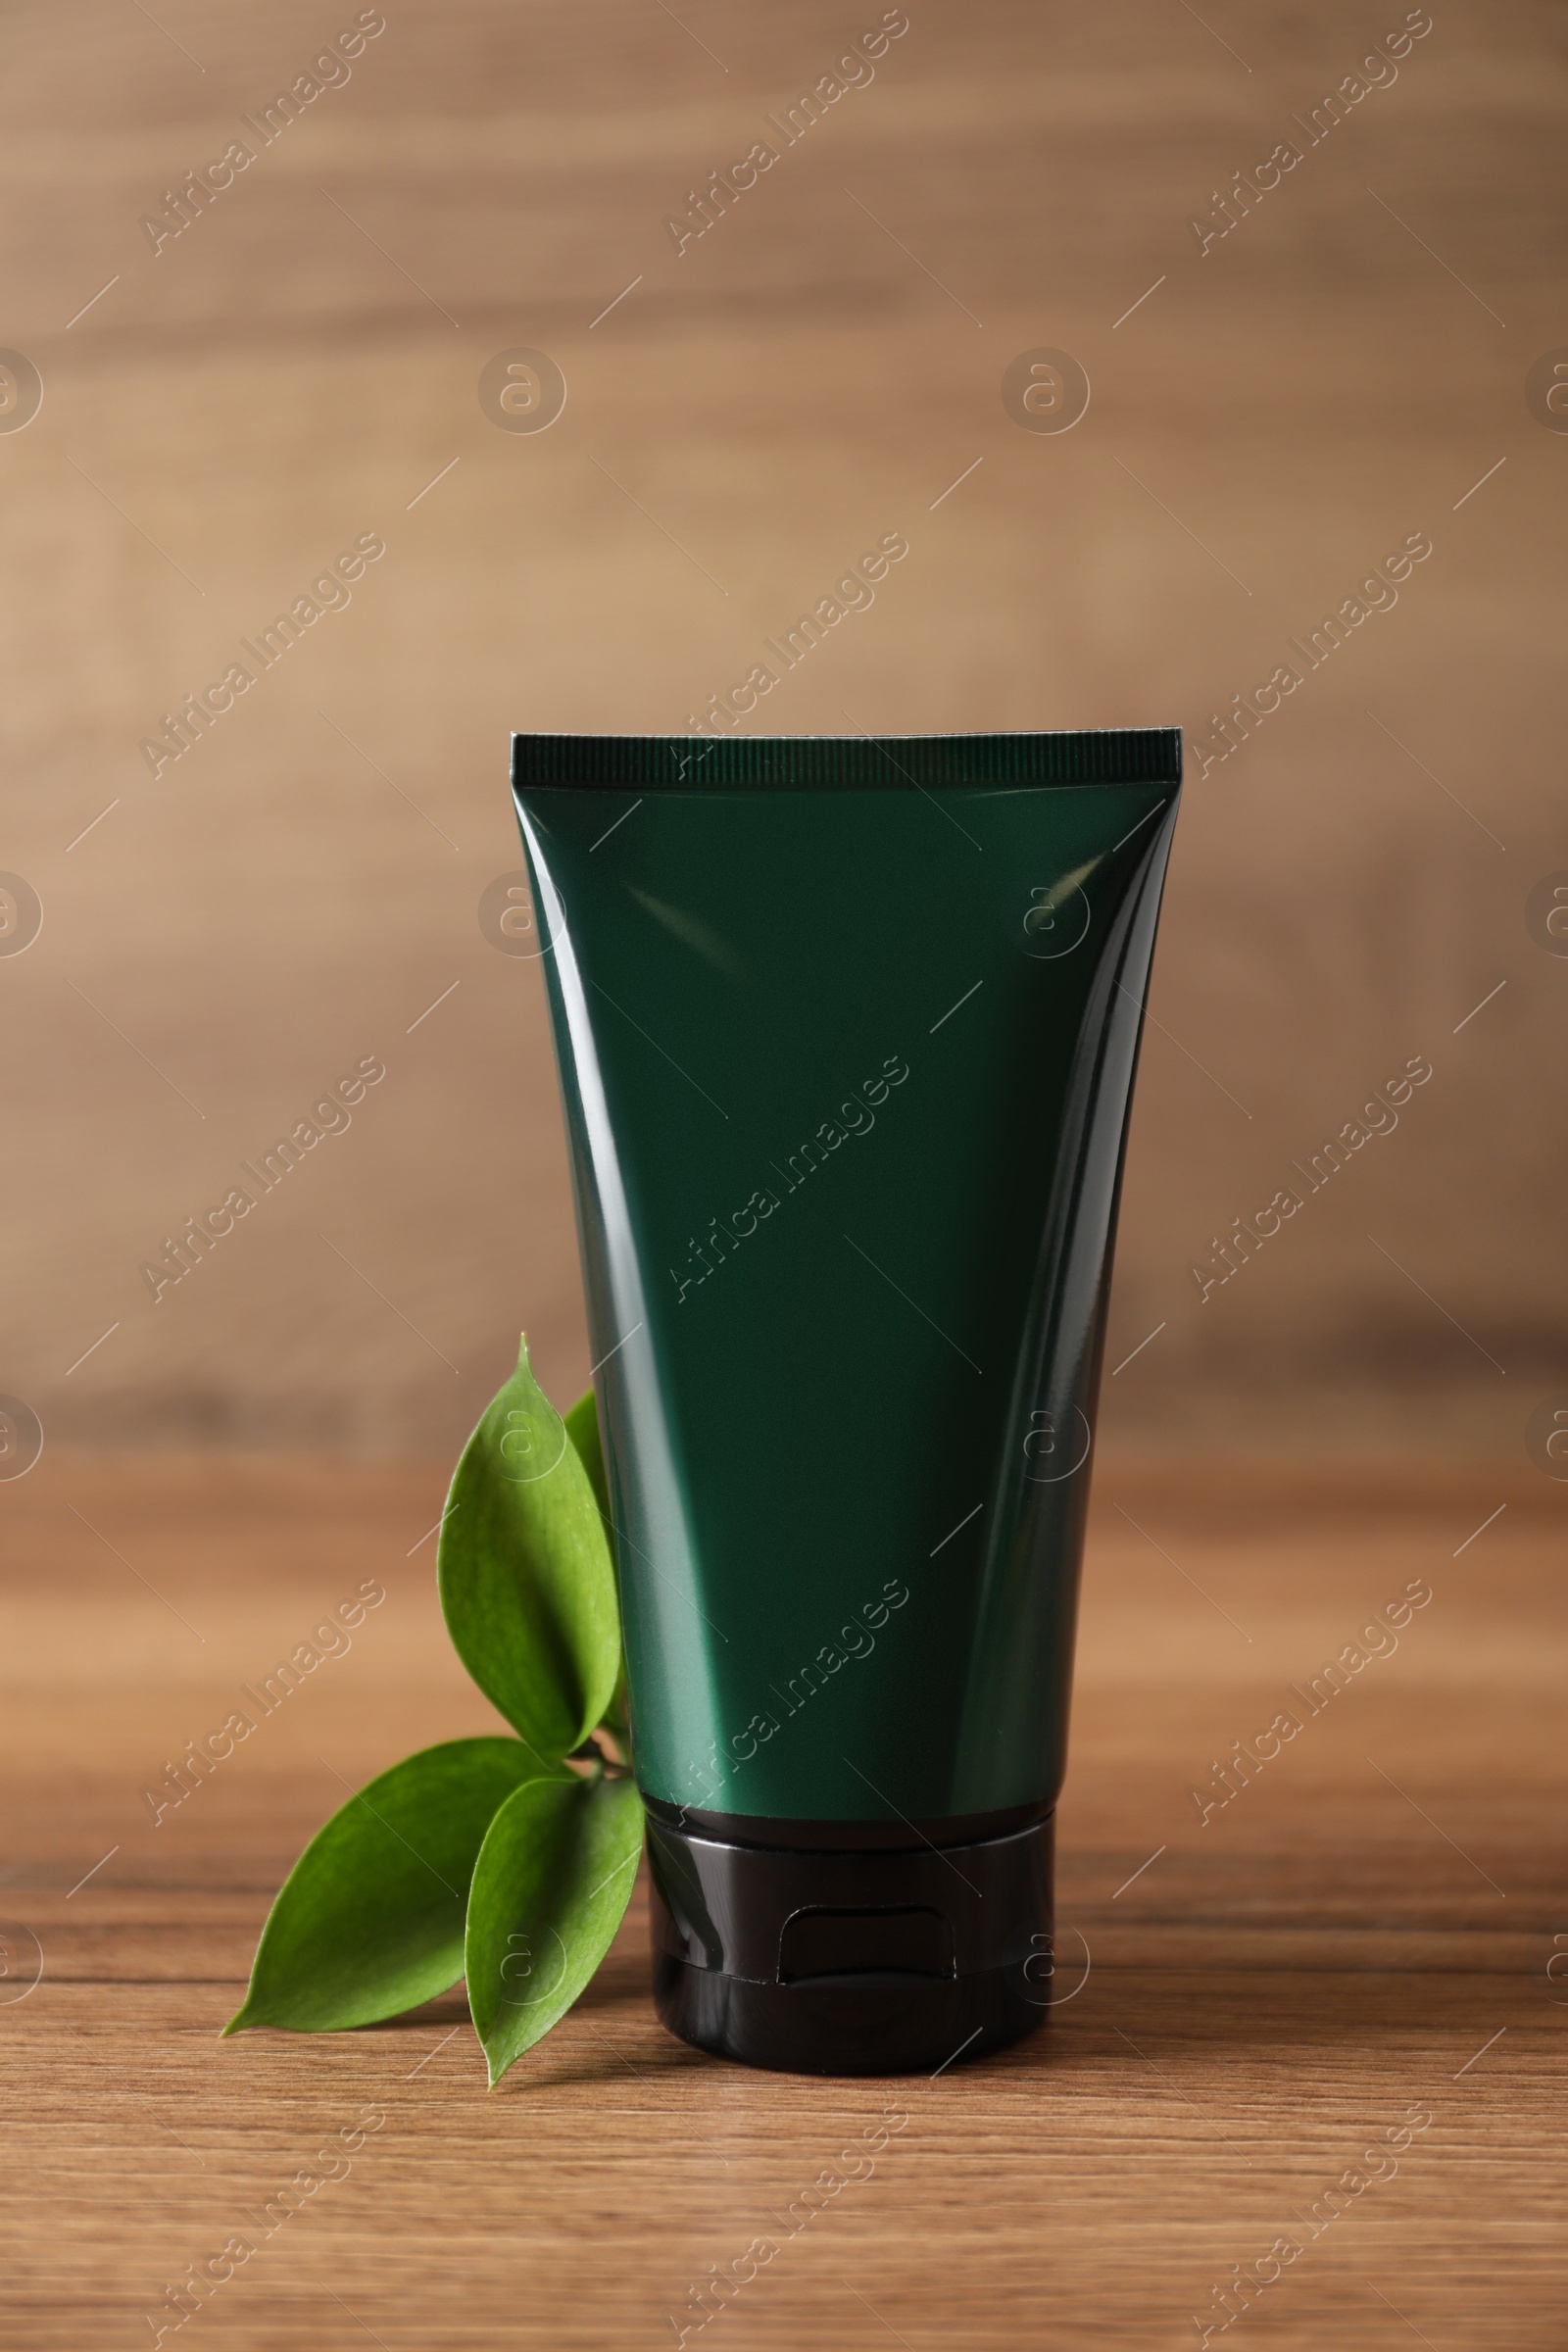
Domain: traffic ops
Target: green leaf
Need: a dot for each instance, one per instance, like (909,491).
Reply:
(369,1920)
(582,1428)
(526,1580)
(550,1888)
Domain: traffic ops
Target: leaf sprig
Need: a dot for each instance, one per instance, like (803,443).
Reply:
(507,1861)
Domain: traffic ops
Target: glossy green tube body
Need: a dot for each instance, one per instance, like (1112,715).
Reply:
(847,1034)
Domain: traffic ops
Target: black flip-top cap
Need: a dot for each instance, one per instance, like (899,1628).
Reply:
(830,1953)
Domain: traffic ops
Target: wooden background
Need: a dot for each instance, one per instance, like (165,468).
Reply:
(1369,1926)
(301,363)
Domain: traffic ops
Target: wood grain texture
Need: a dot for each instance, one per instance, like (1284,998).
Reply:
(301,366)
(1366,1928)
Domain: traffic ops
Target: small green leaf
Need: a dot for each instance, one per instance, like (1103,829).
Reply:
(550,1888)
(526,1580)
(582,1428)
(369,1920)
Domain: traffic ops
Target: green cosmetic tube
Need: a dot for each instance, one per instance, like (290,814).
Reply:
(845,1030)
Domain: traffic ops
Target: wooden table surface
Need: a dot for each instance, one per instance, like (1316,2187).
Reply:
(1362,1939)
